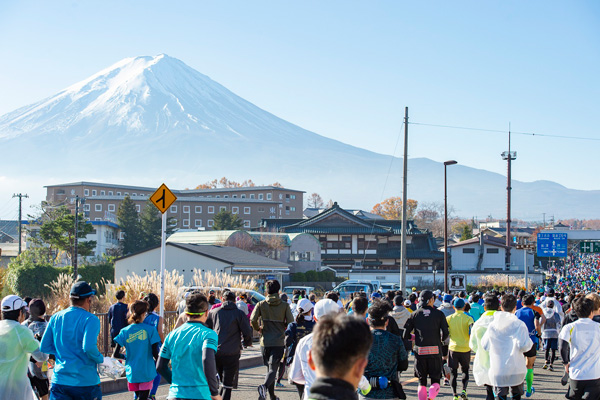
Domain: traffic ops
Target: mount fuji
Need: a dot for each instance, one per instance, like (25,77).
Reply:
(146,120)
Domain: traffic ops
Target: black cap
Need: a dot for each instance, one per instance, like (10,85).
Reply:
(425,296)
(81,290)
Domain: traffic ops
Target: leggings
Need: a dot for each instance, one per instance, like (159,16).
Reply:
(142,394)
(155,384)
(550,360)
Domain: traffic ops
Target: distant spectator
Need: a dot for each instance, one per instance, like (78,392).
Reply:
(117,316)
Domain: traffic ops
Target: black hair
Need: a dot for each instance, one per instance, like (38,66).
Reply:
(491,302)
(273,286)
(13,315)
(475,298)
(522,293)
(228,295)
(300,315)
(312,297)
(339,340)
(583,307)
(378,313)
(398,300)
(412,297)
(509,302)
(196,303)
(551,292)
(152,301)
(37,308)
(333,296)
(283,297)
(120,294)
(462,294)
(360,305)
(137,310)
(528,300)
(27,299)
(79,302)
(390,295)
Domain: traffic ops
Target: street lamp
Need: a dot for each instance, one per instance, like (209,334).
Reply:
(446,163)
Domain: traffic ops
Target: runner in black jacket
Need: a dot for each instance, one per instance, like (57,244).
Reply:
(430,329)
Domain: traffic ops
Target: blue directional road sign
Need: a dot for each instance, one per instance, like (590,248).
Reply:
(552,244)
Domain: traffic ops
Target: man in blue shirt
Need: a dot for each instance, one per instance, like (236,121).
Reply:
(531,318)
(72,337)
(117,316)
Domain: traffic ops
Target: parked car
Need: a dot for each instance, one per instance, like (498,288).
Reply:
(346,288)
(253,295)
(289,290)
(386,287)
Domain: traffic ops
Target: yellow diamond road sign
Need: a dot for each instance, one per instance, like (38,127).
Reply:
(163,198)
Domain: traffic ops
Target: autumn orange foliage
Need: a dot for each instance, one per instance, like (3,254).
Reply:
(391,208)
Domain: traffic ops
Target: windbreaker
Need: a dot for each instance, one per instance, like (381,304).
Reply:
(400,315)
(16,346)
(506,340)
(272,316)
(551,327)
(481,363)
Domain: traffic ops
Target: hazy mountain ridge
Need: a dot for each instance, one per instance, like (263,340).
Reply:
(156,119)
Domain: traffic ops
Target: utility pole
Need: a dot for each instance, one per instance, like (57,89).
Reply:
(20,196)
(544,216)
(75,247)
(509,156)
(404,201)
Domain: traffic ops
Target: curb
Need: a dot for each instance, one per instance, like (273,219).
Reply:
(120,385)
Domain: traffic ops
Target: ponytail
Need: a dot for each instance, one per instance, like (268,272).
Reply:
(137,311)
(301,315)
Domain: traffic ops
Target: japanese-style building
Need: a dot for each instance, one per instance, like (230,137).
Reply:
(361,241)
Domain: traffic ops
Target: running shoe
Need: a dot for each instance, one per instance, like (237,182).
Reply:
(279,384)
(545,366)
(262,392)
(463,395)
(457,397)
(550,368)
(529,394)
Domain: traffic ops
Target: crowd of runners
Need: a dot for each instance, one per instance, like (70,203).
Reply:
(326,348)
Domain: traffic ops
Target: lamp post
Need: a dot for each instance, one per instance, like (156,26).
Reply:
(446,163)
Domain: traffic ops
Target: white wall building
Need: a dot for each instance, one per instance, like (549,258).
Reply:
(486,253)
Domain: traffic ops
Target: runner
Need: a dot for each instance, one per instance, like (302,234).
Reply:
(153,319)
(142,345)
(459,327)
(477,309)
(271,317)
(230,324)
(481,364)
(580,351)
(506,339)
(37,373)
(430,328)
(17,344)
(550,331)
(191,351)
(72,337)
(533,320)
(338,357)
(117,316)
(295,331)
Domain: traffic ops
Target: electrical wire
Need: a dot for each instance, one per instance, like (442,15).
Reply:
(505,131)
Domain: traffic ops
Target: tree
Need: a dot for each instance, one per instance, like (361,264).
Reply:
(464,229)
(314,201)
(129,221)
(226,220)
(430,216)
(225,183)
(58,231)
(391,208)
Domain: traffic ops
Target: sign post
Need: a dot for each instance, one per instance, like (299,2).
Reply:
(163,198)
(552,245)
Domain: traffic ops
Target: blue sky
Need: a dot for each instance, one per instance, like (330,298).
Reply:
(347,69)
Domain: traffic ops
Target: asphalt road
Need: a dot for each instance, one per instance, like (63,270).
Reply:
(547,386)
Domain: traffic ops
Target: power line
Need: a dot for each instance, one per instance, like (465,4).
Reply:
(501,131)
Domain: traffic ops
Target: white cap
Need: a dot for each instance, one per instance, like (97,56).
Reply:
(305,305)
(12,302)
(325,307)
(406,303)
(437,292)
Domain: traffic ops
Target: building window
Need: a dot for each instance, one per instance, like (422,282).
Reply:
(173,209)
(102,193)
(198,209)
(86,192)
(137,207)
(269,196)
(126,193)
(243,196)
(280,196)
(293,197)
(246,223)
(260,196)
(111,207)
(292,208)
(252,196)
(197,223)
(272,210)
(235,210)
(287,208)
(86,207)
(173,222)
(211,223)
(222,208)
(218,196)
(211,209)
(97,219)
(118,193)
(186,209)
(234,196)
(97,207)
(246,210)
(468,251)
(134,194)
(492,251)
(287,196)
(261,209)
(225,196)
(110,192)
(94,192)
(186,223)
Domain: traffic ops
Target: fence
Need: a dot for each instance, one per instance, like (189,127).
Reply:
(104,342)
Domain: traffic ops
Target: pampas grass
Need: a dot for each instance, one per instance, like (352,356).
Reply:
(499,281)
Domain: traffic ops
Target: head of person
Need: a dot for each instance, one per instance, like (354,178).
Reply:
(584,307)
(595,298)
(376,295)
(244,297)
(340,348)
(426,298)
(475,298)
(407,303)
(528,300)
(196,307)
(522,293)
(137,312)
(152,301)
(508,303)
(462,294)
(398,300)
(228,295)
(459,304)
(212,296)
(378,314)
(550,304)
(491,302)
(283,297)
(325,307)
(296,298)
(313,297)
(37,309)
(448,298)
(412,297)
(120,295)
(81,295)
(360,305)
(272,287)
(304,310)
(334,296)
(14,308)
(551,293)
(390,294)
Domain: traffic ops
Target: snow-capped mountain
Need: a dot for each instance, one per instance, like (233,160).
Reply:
(145,120)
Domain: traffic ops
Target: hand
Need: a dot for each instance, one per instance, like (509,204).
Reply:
(217,397)
(39,364)
(567,368)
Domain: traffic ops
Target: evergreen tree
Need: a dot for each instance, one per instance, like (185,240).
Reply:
(225,220)
(58,231)
(151,225)
(128,219)
(466,232)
